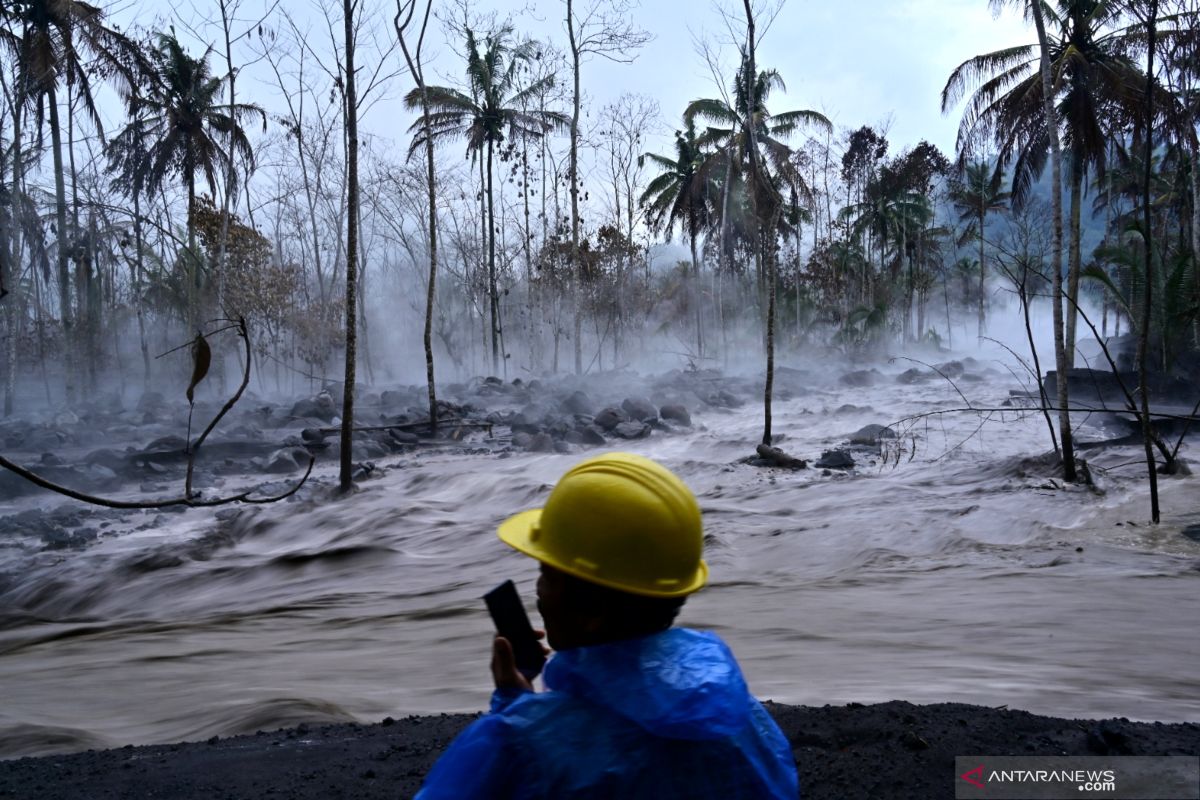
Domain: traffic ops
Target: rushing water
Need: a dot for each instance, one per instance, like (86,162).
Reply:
(952,573)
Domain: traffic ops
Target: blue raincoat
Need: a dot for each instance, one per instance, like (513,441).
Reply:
(664,716)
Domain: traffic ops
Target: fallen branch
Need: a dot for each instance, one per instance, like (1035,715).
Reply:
(1072,409)
(166,502)
(189,497)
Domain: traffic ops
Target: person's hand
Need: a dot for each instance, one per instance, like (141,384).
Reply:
(504,665)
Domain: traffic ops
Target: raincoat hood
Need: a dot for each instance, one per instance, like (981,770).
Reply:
(680,683)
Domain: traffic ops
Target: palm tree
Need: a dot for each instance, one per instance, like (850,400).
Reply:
(177,129)
(1097,85)
(495,107)
(749,147)
(893,214)
(55,42)
(735,127)
(680,195)
(976,194)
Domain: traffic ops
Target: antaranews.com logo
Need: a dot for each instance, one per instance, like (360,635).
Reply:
(1065,777)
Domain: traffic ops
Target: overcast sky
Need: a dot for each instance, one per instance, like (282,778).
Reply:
(866,62)
(859,63)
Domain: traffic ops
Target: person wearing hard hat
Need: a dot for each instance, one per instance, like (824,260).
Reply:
(634,707)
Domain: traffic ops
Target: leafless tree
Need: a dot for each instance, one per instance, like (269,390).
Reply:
(603,28)
(350,114)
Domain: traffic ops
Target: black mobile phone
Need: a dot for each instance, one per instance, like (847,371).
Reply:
(504,604)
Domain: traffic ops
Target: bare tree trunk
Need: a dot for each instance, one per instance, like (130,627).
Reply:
(345,479)
(418,71)
(493,295)
(140,266)
(64,269)
(1060,352)
(226,206)
(527,252)
(85,299)
(547,293)
(905,264)
(982,265)
(1037,364)
(1075,260)
(1196,235)
(574,189)
(797,267)
(694,293)
(194,313)
(15,313)
(768,389)
(1148,282)
(13,272)
(726,223)
(763,193)
(1105,299)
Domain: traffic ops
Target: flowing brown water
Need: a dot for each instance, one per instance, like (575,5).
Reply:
(948,576)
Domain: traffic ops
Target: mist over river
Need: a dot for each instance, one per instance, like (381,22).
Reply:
(956,571)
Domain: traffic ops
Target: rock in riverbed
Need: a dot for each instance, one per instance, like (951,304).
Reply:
(872,434)
(835,459)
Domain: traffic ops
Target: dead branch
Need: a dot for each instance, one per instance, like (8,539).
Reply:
(1073,409)
(241,329)
(189,497)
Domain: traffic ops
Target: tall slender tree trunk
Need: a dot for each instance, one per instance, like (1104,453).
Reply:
(527,252)
(695,295)
(10,279)
(1105,299)
(227,199)
(905,264)
(85,306)
(1148,283)
(982,264)
(418,72)
(1196,235)
(64,268)
(16,311)
(576,264)
(796,268)
(345,478)
(726,222)
(767,204)
(772,291)
(920,290)
(193,257)
(544,293)
(1060,353)
(1075,260)
(493,295)
(138,281)
(1037,364)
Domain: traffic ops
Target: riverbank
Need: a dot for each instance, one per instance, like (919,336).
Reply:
(889,750)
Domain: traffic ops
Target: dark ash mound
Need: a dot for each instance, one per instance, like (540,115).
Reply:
(890,750)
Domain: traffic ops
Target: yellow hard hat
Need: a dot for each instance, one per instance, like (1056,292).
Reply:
(619,520)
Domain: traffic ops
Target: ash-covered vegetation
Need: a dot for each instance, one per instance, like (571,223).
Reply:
(376,219)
